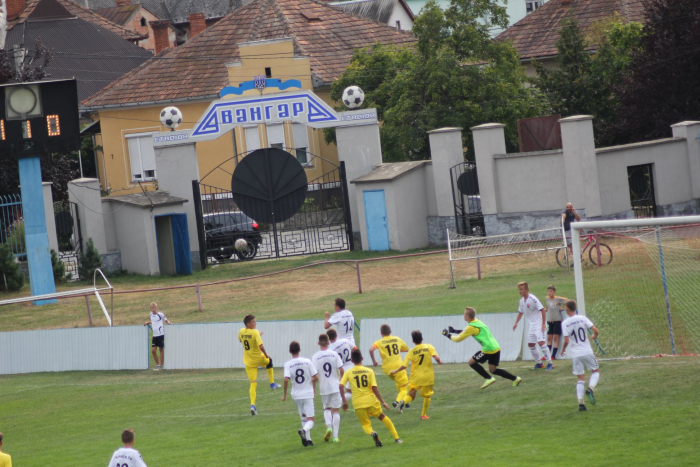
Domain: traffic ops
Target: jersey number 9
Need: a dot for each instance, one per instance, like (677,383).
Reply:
(246,345)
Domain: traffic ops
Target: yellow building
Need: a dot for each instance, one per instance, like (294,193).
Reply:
(302,40)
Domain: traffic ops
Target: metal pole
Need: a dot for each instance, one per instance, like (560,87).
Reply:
(80,160)
(87,302)
(478,265)
(668,303)
(359,278)
(578,270)
(199,215)
(199,298)
(449,256)
(346,202)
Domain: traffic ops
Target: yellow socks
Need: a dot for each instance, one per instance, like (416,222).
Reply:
(402,393)
(253,392)
(390,426)
(271,375)
(426,405)
(407,399)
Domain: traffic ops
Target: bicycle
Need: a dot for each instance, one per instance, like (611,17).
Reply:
(606,254)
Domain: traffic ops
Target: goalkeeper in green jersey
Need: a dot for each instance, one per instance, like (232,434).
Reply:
(490,350)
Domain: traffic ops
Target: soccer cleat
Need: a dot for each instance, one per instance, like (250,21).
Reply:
(309,443)
(336,440)
(582,408)
(274,386)
(517,381)
(538,366)
(488,383)
(424,417)
(253,410)
(327,436)
(398,441)
(550,366)
(376,439)
(589,393)
(394,404)
(407,406)
(304,442)
(400,406)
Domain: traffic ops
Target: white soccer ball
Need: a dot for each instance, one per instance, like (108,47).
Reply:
(353,97)
(241,244)
(171,117)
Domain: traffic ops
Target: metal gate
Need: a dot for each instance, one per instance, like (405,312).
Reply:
(70,240)
(321,225)
(467,202)
(12,225)
(641,182)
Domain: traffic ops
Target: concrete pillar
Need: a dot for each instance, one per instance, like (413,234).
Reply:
(50,217)
(361,149)
(580,164)
(691,132)
(85,192)
(489,140)
(446,151)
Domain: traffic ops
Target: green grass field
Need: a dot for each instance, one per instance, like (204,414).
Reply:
(647,413)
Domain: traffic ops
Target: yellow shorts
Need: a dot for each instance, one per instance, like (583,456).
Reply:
(366,412)
(252,371)
(400,379)
(423,391)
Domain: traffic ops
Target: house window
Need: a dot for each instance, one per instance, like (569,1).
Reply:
(301,143)
(275,136)
(252,139)
(398,25)
(144,22)
(268,72)
(142,157)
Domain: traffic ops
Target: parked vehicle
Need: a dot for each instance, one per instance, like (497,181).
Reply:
(222,229)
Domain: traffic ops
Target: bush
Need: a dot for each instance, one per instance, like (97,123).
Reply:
(59,269)
(88,261)
(12,277)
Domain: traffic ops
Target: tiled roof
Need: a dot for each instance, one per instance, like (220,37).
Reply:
(176,11)
(79,12)
(118,14)
(536,34)
(379,10)
(197,69)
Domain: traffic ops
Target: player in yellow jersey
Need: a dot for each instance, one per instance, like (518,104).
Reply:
(366,398)
(5,459)
(254,355)
(422,374)
(390,348)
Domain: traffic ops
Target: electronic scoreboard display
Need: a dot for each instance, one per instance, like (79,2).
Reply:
(39,118)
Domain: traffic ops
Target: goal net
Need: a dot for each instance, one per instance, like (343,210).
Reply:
(531,247)
(646,300)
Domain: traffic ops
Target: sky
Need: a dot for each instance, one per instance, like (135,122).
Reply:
(515,8)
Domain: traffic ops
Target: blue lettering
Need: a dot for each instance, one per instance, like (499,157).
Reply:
(267,111)
(283,110)
(255,114)
(240,116)
(226,116)
(297,108)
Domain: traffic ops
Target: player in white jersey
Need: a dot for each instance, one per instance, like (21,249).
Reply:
(535,313)
(343,348)
(330,370)
(304,376)
(157,322)
(127,456)
(576,327)
(344,322)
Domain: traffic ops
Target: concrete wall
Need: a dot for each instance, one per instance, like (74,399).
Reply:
(528,180)
(50,216)
(408,212)
(85,192)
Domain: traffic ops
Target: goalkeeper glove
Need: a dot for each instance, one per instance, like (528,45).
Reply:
(455,331)
(446,333)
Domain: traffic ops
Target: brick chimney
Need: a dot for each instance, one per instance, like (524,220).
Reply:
(14,8)
(123,2)
(161,30)
(197,24)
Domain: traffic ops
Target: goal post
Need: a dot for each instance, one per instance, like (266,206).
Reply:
(647,300)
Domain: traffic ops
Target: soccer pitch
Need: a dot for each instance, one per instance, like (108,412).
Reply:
(647,413)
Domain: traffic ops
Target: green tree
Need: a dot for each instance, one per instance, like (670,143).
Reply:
(12,278)
(59,269)
(454,75)
(88,261)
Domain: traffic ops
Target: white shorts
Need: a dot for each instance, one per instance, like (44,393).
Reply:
(305,407)
(588,361)
(536,335)
(332,401)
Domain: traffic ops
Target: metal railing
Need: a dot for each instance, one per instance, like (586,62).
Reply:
(12,224)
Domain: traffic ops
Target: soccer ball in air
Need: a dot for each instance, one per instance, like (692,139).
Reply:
(353,97)
(241,244)
(171,117)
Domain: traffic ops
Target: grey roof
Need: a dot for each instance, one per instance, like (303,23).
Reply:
(378,10)
(176,11)
(390,171)
(157,198)
(92,54)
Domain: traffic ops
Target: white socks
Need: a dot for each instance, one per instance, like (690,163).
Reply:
(595,376)
(307,428)
(336,424)
(535,353)
(547,353)
(580,389)
(328,418)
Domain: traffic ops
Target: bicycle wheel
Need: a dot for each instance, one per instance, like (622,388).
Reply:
(606,254)
(561,257)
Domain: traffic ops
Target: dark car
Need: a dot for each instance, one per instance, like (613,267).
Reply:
(222,229)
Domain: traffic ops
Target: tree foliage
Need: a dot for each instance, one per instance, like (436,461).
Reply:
(58,267)
(454,76)
(88,261)
(10,275)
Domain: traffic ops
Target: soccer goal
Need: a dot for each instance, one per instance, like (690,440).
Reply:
(647,301)
(463,247)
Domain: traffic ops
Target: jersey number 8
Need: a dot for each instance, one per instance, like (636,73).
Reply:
(299,378)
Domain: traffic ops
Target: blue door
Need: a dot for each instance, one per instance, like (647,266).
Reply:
(375,215)
(181,244)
